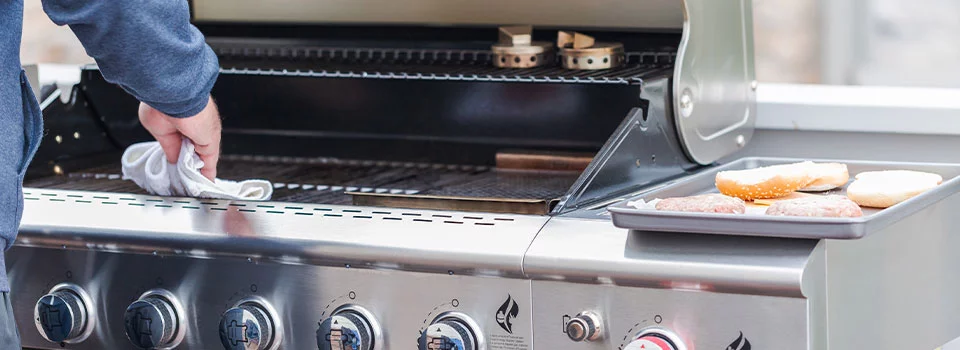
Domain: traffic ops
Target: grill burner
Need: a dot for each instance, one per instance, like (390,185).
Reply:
(517,50)
(338,182)
(579,51)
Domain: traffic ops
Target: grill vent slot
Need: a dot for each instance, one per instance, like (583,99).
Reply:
(192,204)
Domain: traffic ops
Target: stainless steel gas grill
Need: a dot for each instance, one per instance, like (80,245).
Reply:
(428,196)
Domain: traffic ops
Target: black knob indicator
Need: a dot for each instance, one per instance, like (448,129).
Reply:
(64,314)
(586,326)
(154,321)
(251,325)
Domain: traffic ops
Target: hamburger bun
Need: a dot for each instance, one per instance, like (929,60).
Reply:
(827,177)
(884,189)
(765,182)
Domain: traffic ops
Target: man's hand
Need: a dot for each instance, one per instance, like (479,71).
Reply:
(203,129)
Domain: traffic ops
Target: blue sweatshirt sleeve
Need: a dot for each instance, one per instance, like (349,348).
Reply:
(148,47)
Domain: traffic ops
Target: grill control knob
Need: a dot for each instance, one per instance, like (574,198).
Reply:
(452,331)
(155,321)
(64,315)
(350,327)
(584,327)
(655,339)
(251,325)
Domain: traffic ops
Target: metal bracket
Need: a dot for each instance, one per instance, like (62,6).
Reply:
(715,87)
(643,151)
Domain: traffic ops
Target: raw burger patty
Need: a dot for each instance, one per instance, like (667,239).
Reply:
(705,203)
(818,206)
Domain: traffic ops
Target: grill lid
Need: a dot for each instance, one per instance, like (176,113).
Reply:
(562,13)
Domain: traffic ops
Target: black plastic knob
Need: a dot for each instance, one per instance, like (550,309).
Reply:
(345,330)
(60,316)
(151,322)
(449,334)
(246,327)
(584,327)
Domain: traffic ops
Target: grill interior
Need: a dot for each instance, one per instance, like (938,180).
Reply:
(362,125)
(331,181)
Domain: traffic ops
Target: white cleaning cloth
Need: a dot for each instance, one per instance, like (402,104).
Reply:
(147,166)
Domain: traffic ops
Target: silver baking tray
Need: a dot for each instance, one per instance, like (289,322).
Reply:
(626,216)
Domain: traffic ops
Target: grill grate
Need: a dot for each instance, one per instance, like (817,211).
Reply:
(393,55)
(327,181)
(509,184)
(460,65)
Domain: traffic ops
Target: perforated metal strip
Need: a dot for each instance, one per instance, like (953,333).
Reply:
(271,208)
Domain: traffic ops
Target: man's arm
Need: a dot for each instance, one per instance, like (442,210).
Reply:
(149,48)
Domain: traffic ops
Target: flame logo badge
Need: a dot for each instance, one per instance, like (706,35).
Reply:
(740,344)
(506,313)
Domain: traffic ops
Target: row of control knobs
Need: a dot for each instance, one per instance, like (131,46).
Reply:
(157,321)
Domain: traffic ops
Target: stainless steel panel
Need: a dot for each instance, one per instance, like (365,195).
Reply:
(435,241)
(873,220)
(594,251)
(715,84)
(403,302)
(568,13)
(814,288)
(899,281)
(702,320)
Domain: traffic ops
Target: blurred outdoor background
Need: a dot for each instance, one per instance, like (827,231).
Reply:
(846,42)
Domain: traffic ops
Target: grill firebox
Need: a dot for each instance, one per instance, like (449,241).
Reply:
(365,125)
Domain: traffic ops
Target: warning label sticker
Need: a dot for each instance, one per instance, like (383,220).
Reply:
(508,342)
